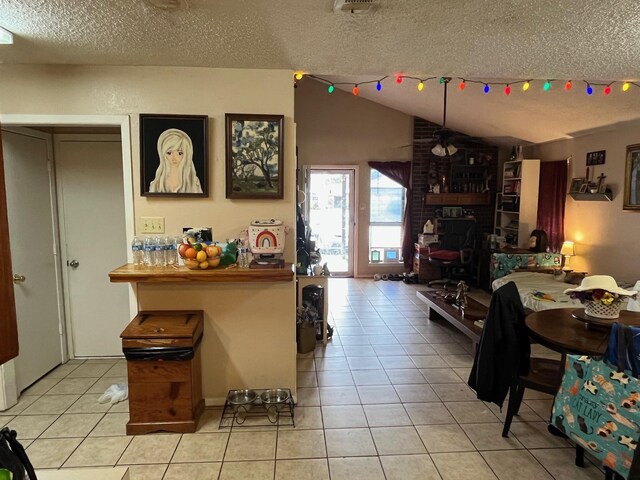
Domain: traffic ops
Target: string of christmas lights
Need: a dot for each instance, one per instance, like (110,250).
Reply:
(625,85)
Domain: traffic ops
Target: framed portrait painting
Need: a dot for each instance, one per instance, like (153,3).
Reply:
(173,155)
(632,179)
(254,156)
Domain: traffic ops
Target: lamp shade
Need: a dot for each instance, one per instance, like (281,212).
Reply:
(439,150)
(568,249)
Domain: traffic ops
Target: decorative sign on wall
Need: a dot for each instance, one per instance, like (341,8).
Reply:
(596,158)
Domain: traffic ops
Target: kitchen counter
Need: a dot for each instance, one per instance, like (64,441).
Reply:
(132,273)
(249,336)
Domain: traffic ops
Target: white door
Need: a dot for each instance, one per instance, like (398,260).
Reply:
(332,216)
(33,242)
(93,238)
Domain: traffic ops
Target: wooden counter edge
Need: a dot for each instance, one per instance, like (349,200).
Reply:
(128,273)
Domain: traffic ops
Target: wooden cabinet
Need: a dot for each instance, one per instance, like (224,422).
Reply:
(421,265)
(164,371)
(517,203)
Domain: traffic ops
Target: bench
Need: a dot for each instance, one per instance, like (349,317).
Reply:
(462,320)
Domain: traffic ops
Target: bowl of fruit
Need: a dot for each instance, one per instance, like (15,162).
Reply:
(200,255)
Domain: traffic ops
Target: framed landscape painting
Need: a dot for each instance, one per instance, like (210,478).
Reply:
(254,156)
(173,155)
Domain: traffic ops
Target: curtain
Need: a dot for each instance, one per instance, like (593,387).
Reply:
(552,194)
(401,172)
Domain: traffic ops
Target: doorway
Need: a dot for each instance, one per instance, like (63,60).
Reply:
(331,214)
(10,387)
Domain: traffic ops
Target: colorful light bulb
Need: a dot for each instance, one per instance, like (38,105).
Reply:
(547,86)
(589,89)
(525,86)
(626,86)
(420,86)
(331,88)
(486,88)
(299,75)
(398,79)
(568,85)
(378,86)
(462,85)
(355,90)
(507,90)
(607,90)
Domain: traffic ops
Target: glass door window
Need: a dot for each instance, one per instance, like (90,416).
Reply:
(331,217)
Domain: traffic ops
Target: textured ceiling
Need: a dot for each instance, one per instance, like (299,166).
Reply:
(503,39)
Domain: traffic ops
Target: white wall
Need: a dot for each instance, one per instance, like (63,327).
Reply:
(340,129)
(606,236)
(243,346)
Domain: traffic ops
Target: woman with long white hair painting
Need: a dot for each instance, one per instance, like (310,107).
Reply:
(176,172)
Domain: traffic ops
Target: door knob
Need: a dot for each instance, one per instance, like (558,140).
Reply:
(18,278)
(74,264)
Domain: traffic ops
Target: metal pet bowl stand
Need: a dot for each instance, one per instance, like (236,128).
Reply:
(279,413)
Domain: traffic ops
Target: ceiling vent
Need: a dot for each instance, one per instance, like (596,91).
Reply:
(355,6)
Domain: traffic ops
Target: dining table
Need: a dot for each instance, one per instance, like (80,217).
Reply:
(563,330)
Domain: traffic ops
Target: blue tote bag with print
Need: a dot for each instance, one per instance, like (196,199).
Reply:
(598,408)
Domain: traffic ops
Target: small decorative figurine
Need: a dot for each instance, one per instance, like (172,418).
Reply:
(461,294)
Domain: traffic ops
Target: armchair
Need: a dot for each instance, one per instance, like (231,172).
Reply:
(454,250)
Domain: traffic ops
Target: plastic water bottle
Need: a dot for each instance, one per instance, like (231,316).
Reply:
(137,250)
(171,252)
(160,252)
(148,253)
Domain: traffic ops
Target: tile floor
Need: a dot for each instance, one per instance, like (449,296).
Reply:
(386,399)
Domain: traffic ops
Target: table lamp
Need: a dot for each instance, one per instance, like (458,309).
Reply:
(568,250)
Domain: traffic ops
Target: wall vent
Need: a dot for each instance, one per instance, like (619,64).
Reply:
(355,6)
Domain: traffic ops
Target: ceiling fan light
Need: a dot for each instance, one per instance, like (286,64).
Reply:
(439,151)
(451,149)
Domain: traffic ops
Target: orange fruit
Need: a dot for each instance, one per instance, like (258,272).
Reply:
(214,262)
(190,253)
(204,265)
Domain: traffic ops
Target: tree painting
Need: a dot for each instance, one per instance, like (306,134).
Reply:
(254,156)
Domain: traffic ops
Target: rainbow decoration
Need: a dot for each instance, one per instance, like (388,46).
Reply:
(266,239)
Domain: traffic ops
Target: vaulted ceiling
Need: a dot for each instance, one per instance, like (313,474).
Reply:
(501,40)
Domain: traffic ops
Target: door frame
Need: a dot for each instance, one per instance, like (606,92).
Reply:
(8,387)
(354,208)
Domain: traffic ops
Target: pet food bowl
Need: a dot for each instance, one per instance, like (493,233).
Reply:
(241,397)
(274,396)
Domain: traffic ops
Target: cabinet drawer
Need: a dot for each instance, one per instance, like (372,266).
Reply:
(159,371)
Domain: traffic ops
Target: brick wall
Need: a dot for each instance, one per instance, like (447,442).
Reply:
(428,168)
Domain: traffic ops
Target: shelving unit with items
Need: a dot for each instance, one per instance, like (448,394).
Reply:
(517,202)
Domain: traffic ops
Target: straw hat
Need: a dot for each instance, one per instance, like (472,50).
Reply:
(602,282)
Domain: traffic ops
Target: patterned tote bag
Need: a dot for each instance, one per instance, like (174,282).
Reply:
(598,408)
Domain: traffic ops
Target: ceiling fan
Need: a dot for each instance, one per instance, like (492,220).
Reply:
(443,137)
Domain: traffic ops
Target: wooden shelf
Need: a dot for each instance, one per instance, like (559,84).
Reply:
(593,197)
(134,274)
(457,199)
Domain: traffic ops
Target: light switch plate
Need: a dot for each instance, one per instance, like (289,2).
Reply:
(152,225)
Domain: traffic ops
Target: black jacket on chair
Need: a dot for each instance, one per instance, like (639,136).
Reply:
(504,349)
